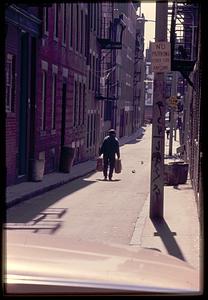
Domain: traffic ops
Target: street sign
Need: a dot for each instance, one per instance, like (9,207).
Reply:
(161,57)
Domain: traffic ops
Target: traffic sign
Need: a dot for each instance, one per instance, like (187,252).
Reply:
(161,58)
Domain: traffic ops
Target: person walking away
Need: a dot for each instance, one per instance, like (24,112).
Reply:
(109,148)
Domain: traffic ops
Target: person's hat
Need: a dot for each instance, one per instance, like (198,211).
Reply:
(112,131)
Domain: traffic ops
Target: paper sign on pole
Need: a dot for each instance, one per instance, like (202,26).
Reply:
(161,57)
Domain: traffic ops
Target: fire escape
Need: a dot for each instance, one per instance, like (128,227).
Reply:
(139,48)
(183,37)
(110,40)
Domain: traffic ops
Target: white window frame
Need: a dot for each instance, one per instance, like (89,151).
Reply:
(82,31)
(80,103)
(44,97)
(77,31)
(71,24)
(54,95)
(55,34)
(64,27)
(44,24)
(9,81)
(75,97)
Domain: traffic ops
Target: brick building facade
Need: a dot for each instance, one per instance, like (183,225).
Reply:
(53,70)
(22,33)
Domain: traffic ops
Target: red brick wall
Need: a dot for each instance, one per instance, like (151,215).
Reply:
(11,117)
(53,52)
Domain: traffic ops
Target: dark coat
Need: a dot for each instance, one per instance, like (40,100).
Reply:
(110,147)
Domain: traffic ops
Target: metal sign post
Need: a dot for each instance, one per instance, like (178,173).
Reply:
(158,123)
(173,104)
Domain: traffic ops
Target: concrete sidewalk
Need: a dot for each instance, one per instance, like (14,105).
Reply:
(178,233)
(26,190)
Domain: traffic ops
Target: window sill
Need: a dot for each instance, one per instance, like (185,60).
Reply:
(10,114)
(53,131)
(42,133)
(45,34)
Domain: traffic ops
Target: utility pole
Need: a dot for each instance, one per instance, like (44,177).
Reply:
(158,122)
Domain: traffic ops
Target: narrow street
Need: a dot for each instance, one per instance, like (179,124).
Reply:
(90,208)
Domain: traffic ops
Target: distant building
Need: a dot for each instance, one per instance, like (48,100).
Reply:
(149,87)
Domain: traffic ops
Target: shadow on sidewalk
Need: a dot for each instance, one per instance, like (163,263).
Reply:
(32,209)
(167,237)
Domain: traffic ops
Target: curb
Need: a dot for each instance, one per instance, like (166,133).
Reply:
(136,239)
(44,190)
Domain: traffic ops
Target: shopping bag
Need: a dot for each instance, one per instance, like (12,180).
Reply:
(118,165)
(99,166)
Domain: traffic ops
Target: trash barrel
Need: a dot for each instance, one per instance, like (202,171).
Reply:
(67,158)
(182,171)
(175,173)
(37,172)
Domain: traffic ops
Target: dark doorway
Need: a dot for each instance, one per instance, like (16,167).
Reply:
(63,118)
(32,104)
(23,109)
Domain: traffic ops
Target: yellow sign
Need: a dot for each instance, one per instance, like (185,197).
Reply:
(173,101)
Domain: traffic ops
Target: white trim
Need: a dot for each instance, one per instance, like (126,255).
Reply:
(44,22)
(54,28)
(53,108)
(55,69)
(43,97)
(64,25)
(65,72)
(44,65)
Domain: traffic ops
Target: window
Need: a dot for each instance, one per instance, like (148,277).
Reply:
(43,115)
(98,19)
(64,24)
(86,39)
(54,85)
(56,22)
(91,14)
(94,13)
(97,76)
(10,82)
(82,33)
(90,66)
(91,129)
(71,25)
(88,131)
(93,72)
(94,129)
(80,102)
(77,29)
(45,20)
(83,105)
(75,102)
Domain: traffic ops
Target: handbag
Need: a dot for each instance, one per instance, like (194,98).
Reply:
(99,166)
(118,166)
